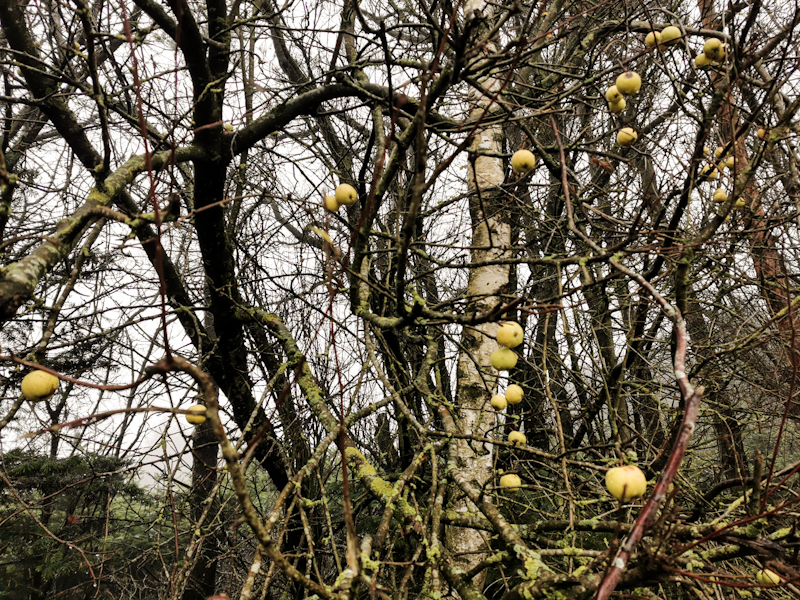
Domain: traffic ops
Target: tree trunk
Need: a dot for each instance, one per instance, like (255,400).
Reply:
(491,237)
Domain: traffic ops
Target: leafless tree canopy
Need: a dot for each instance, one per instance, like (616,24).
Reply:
(173,232)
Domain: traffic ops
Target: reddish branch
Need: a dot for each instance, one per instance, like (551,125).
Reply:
(689,393)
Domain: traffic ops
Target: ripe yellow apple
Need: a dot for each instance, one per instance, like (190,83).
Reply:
(701,61)
(739,204)
(613,94)
(761,133)
(510,481)
(514,394)
(730,161)
(626,483)
(627,137)
(718,151)
(198,414)
(503,359)
(39,385)
(330,203)
(652,39)
(767,577)
(523,161)
(670,34)
(498,402)
(346,194)
(510,334)
(714,49)
(720,196)
(517,437)
(706,151)
(629,83)
(709,172)
(617,107)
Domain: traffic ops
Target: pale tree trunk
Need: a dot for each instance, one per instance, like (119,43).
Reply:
(491,239)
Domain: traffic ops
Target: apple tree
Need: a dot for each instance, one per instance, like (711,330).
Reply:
(432,269)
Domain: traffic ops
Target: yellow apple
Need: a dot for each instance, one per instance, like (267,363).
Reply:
(739,204)
(517,437)
(627,137)
(514,394)
(718,151)
(198,414)
(730,161)
(346,194)
(761,133)
(498,402)
(330,203)
(510,334)
(613,94)
(701,61)
(767,577)
(652,39)
(626,483)
(510,481)
(670,34)
(709,172)
(714,49)
(39,385)
(617,107)
(720,196)
(523,161)
(706,151)
(503,359)
(629,83)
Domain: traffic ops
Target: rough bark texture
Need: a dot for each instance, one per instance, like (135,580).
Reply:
(477,380)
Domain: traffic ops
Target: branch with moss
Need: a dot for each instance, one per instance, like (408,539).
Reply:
(18,280)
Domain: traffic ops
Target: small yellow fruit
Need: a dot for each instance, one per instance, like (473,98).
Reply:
(503,359)
(706,151)
(730,161)
(767,577)
(629,83)
(739,204)
(761,133)
(701,61)
(626,483)
(714,49)
(514,394)
(720,196)
(670,34)
(613,94)
(718,151)
(709,172)
(498,402)
(627,137)
(523,161)
(198,414)
(517,437)
(617,107)
(330,203)
(510,334)
(652,39)
(346,194)
(39,385)
(510,481)
(228,127)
